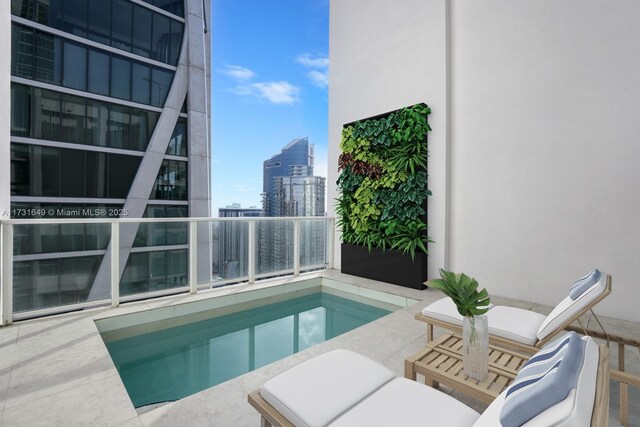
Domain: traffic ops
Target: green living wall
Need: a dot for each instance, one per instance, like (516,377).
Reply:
(383,181)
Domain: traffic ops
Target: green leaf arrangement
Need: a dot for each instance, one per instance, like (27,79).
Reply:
(383,182)
(463,290)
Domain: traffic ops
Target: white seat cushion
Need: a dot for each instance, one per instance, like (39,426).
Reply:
(515,324)
(569,308)
(512,323)
(444,309)
(315,392)
(406,403)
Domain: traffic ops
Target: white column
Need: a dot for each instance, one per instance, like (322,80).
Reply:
(296,247)
(331,233)
(193,257)
(7,274)
(115,263)
(251,256)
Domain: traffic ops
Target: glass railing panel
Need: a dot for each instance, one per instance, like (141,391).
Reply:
(68,263)
(313,244)
(53,282)
(153,271)
(274,247)
(159,259)
(45,272)
(230,251)
(162,234)
(56,238)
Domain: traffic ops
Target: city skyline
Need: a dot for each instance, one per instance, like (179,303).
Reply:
(270,75)
(290,189)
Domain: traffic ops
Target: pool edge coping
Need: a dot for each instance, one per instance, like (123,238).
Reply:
(174,306)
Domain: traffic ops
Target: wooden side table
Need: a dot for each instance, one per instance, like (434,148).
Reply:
(441,362)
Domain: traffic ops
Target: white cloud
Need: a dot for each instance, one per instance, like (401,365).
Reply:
(319,75)
(319,78)
(281,92)
(242,188)
(239,73)
(311,61)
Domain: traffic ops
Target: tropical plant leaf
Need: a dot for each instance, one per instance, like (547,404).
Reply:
(463,290)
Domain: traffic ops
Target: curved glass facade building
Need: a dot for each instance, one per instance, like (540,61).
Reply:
(108,119)
(295,159)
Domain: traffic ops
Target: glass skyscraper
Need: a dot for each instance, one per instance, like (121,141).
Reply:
(109,118)
(295,159)
(290,189)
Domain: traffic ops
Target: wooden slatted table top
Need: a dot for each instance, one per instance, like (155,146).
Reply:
(441,362)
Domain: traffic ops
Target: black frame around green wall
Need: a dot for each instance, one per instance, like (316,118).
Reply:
(386,265)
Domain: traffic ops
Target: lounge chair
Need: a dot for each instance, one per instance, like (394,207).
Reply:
(344,389)
(522,329)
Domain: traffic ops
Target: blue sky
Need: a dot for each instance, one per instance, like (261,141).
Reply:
(269,86)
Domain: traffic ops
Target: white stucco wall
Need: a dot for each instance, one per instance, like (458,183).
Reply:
(545,138)
(5,105)
(546,146)
(386,55)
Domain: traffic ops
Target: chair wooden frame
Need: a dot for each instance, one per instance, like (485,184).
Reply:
(620,375)
(270,416)
(505,342)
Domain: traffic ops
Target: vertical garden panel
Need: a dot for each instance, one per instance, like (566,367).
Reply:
(382,208)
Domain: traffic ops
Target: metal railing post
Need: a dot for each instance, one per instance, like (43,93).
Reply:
(115,263)
(7,274)
(193,257)
(296,247)
(331,233)
(251,255)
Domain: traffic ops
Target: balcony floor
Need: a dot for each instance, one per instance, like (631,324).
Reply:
(57,371)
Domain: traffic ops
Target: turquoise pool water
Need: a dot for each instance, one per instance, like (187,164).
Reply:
(173,363)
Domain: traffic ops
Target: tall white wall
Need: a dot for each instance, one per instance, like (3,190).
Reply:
(386,55)
(544,146)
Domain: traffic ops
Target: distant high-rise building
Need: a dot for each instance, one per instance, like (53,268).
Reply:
(299,195)
(290,189)
(235,210)
(231,260)
(295,159)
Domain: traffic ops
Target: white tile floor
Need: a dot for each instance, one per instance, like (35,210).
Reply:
(56,371)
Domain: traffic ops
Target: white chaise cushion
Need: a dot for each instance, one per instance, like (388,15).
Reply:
(444,309)
(511,323)
(515,324)
(575,411)
(569,308)
(315,392)
(406,403)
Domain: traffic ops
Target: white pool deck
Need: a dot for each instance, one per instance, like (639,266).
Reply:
(56,371)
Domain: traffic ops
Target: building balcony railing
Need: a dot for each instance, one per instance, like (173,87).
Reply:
(52,266)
